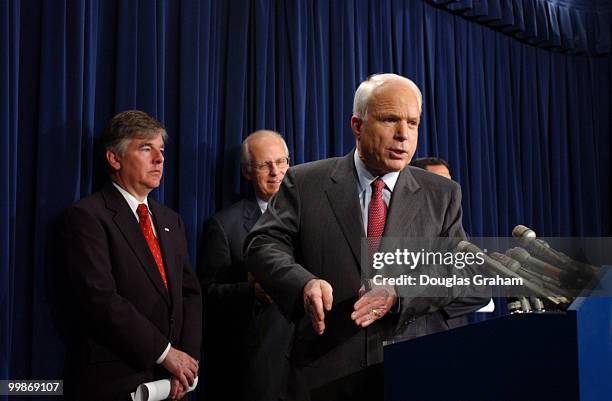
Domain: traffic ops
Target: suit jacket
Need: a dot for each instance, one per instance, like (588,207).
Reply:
(244,340)
(313,229)
(127,316)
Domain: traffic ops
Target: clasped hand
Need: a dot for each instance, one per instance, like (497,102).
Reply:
(184,370)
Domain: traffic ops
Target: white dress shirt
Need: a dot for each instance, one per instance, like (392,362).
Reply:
(263,205)
(133,204)
(366,178)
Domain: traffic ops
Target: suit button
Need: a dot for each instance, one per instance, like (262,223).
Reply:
(172,321)
(363,364)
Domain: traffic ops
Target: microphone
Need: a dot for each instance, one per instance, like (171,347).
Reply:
(514,305)
(568,280)
(538,247)
(525,259)
(538,306)
(542,250)
(519,305)
(495,266)
(525,305)
(521,231)
(506,261)
(543,281)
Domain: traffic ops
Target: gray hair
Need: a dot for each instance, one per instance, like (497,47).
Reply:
(128,125)
(365,89)
(245,154)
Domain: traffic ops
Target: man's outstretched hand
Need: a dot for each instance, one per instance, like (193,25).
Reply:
(318,298)
(373,304)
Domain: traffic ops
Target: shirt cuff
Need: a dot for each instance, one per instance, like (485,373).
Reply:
(162,357)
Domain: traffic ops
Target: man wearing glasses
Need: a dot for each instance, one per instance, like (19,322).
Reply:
(245,336)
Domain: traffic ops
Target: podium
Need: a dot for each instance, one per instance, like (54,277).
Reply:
(535,356)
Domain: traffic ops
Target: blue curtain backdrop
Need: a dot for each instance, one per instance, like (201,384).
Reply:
(517,97)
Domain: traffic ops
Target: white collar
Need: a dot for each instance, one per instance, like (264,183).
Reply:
(131,200)
(263,205)
(366,177)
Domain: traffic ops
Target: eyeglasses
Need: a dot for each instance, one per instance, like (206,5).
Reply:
(267,166)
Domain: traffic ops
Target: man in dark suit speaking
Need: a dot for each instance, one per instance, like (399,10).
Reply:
(137,298)
(305,251)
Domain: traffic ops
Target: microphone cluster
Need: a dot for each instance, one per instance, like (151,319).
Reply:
(547,273)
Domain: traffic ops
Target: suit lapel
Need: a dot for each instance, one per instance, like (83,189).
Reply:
(250,214)
(406,201)
(344,199)
(128,225)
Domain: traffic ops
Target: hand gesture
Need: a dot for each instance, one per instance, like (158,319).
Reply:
(317,299)
(373,304)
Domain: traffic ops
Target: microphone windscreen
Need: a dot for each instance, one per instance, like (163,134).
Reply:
(521,231)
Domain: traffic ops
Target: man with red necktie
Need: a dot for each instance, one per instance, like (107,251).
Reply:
(306,252)
(138,299)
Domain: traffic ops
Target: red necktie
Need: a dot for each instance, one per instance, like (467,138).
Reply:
(377,215)
(147,230)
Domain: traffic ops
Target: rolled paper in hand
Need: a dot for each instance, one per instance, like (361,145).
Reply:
(156,391)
